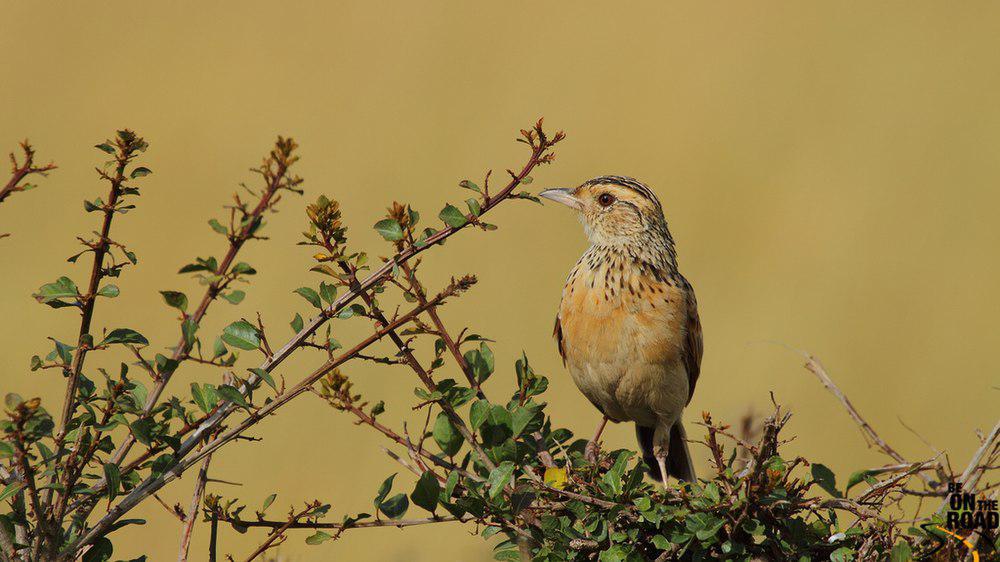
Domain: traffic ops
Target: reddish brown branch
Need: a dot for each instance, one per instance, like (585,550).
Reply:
(21,171)
(275,171)
(186,455)
(540,153)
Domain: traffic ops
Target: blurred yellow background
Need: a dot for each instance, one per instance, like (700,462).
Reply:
(831,174)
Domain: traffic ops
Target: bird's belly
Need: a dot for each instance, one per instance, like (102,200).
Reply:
(642,393)
(625,361)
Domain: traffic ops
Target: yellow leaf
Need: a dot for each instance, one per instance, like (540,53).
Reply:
(556,477)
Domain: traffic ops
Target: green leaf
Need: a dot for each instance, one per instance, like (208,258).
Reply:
(446,436)
(859,477)
(114,478)
(296,323)
(826,479)
(319,537)
(105,147)
(499,477)
(63,351)
(383,491)
(199,398)
(63,287)
(232,394)
(426,492)
(218,348)
(901,553)
(389,229)
(268,501)
(452,216)
(328,291)
(218,227)
(139,395)
(310,295)
(124,335)
(395,507)
(110,291)
(102,549)
(175,299)
(842,554)
(520,417)
(143,430)
(234,297)
(243,268)
(478,413)
(140,172)
(10,489)
(242,335)
(469,185)
(188,329)
(264,376)
(451,484)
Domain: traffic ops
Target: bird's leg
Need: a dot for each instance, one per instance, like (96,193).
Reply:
(661,460)
(590,452)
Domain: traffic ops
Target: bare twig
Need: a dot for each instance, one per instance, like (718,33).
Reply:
(191,517)
(816,368)
(278,534)
(973,472)
(21,171)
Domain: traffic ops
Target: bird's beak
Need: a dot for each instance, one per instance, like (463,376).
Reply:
(563,195)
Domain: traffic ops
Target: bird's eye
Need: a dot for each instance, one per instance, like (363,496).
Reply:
(605,199)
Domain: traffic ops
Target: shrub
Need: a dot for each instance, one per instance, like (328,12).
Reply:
(500,464)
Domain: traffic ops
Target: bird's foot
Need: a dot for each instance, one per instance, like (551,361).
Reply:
(591,451)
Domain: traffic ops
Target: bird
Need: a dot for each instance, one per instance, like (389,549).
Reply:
(628,328)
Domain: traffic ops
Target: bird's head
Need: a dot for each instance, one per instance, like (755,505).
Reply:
(614,210)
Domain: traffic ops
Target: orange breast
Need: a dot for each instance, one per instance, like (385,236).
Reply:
(618,317)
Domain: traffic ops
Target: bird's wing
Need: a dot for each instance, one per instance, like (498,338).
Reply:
(692,351)
(558,334)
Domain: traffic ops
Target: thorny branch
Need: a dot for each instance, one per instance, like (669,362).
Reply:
(20,171)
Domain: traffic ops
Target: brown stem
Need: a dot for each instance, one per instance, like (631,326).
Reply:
(126,148)
(278,532)
(191,517)
(417,368)
(359,525)
(21,171)
(42,533)
(90,298)
(236,242)
(816,368)
(449,342)
(540,154)
(399,439)
(187,458)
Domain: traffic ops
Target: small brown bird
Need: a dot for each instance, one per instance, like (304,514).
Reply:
(628,327)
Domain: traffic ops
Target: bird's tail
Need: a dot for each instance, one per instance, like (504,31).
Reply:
(678,457)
